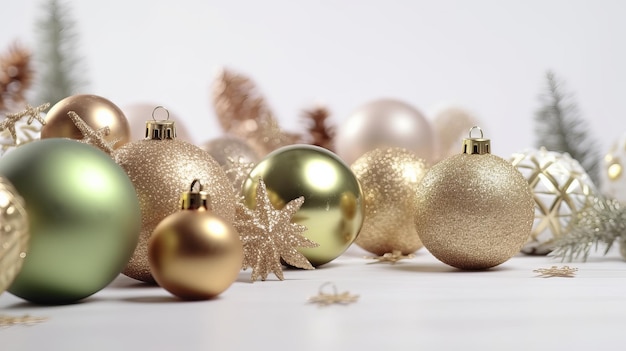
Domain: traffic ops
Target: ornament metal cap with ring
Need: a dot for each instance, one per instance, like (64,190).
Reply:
(477,146)
(160,129)
(475,209)
(194,253)
(195,200)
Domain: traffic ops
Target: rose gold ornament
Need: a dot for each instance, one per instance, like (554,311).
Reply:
(382,124)
(475,210)
(159,167)
(193,253)
(389,178)
(96,111)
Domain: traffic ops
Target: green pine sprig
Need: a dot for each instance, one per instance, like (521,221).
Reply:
(602,223)
(59,65)
(560,127)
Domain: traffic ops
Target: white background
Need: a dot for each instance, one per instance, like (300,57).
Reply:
(487,56)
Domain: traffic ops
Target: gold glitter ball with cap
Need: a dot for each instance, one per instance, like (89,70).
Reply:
(389,178)
(475,210)
(193,253)
(160,167)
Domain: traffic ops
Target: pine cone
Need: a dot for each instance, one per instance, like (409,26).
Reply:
(321,134)
(16,75)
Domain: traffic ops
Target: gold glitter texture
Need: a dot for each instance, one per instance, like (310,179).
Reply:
(561,190)
(33,113)
(93,137)
(474,211)
(389,178)
(554,271)
(14,234)
(268,235)
(160,170)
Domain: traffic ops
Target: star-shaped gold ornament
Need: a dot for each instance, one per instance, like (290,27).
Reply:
(93,137)
(7,321)
(391,257)
(554,271)
(33,113)
(325,299)
(268,235)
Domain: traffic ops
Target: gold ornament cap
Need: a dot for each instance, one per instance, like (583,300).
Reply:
(476,146)
(195,200)
(162,129)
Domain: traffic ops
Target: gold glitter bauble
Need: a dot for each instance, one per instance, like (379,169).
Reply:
(389,178)
(14,235)
(195,254)
(613,176)
(96,111)
(333,202)
(160,170)
(475,210)
(561,189)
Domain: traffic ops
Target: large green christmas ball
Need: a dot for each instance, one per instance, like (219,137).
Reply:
(83,214)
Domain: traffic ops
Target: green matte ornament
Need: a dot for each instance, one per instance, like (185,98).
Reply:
(83,214)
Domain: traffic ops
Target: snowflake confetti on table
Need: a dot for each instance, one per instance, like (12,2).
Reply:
(554,271)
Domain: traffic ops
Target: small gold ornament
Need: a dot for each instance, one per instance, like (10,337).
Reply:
(268,235)
(554,271)
(389,178)
(195,254)
(14,234)
(97,112)
(333,211)
(475,210)
(561,190)
(392,257)
(159,167)
(325,299)
(612,174)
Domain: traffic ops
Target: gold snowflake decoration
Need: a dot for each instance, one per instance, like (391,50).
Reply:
(325,299)
(7,321)
(268,235)
(27,132)
(237,171)
(554,271)
(391,257)
(93,137)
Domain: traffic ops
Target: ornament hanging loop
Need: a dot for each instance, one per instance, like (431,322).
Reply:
(476,146)
(167,112)
(332,285)
(471,130)
(195,200)
(163,129)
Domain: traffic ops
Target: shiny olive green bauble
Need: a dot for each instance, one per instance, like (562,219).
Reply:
(333,201)
(84,219)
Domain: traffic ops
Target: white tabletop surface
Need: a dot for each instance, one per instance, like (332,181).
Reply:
(417,304)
